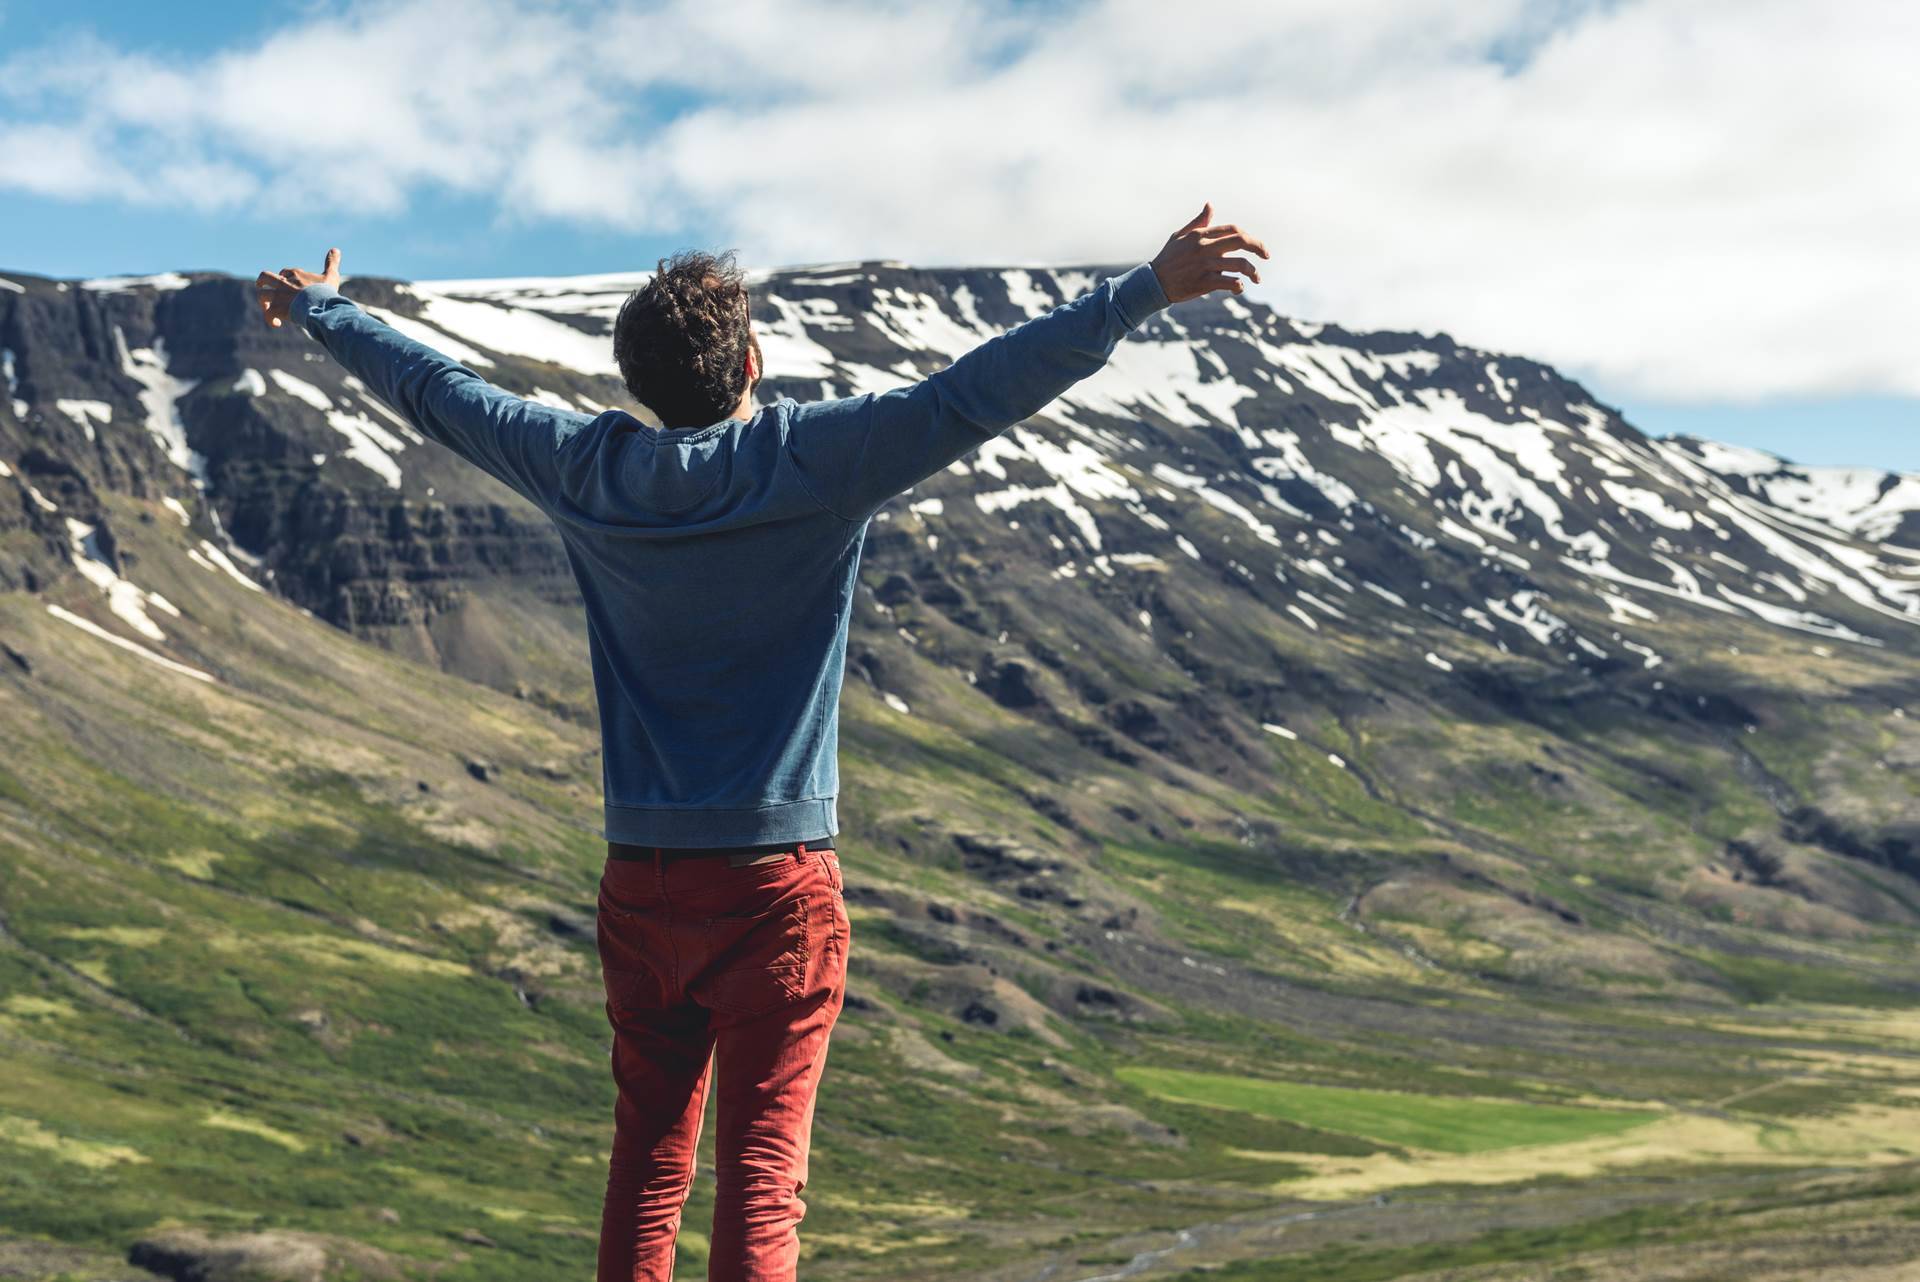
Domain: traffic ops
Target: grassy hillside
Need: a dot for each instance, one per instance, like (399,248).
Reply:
(307,948)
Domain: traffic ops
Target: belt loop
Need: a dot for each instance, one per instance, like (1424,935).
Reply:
(660,870)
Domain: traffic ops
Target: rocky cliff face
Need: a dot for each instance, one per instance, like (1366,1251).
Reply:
(1347,481)
(168,388)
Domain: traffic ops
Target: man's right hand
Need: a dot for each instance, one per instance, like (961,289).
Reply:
(1196,259)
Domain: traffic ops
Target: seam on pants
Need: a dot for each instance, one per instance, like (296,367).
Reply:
(693,1155)
(672,995)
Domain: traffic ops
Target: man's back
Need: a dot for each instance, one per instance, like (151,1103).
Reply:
(718,592)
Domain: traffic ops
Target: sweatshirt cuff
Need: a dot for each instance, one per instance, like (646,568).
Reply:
(308,301)
(1138,294)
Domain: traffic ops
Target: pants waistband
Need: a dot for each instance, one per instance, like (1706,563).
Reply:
(628,850)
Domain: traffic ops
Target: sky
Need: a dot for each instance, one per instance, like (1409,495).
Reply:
(1706,210)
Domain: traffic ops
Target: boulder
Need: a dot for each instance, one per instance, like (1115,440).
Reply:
(275,1255)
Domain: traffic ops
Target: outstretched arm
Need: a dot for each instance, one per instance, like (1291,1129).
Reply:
(856,453)
(512,439)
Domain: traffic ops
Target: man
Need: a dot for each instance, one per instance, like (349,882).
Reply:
(717,558)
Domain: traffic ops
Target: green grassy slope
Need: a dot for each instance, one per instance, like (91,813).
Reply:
(309,947)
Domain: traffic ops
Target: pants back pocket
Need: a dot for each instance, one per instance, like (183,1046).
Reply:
(756,964)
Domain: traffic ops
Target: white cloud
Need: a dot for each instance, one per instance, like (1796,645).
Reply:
(1682,198)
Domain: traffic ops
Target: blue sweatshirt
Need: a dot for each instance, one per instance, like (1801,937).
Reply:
(718,564)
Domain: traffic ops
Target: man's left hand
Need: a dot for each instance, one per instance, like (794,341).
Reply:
(276,291)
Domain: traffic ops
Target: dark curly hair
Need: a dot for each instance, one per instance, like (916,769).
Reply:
(681,340)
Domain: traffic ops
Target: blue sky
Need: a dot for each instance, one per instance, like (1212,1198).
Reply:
(1856,431)
(1618,188)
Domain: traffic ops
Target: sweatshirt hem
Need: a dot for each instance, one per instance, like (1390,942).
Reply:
(808,819)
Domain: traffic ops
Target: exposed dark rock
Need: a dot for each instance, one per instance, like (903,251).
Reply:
(569,924)
(937,590)
(276,1255)
(994,857)
(1895,847)
(1054,809)
(1012,685)
(1102,741)
(977,1012)
(895,589)
(1140,723)
(1750,863)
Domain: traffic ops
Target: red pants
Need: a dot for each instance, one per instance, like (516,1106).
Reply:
(708,960)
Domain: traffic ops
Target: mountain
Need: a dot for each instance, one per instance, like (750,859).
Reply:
(1301,778)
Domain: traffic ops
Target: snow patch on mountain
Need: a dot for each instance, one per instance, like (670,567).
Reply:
(596,296)
(209,557)
(10,372)
(1024,294)
(134,647)
(369,444)
(421,332)
(160,394)
(1864,501)
(789,350)
(1166,378)
(300,390)
(515,330)
(85,413)
(160,282)
(127,601)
